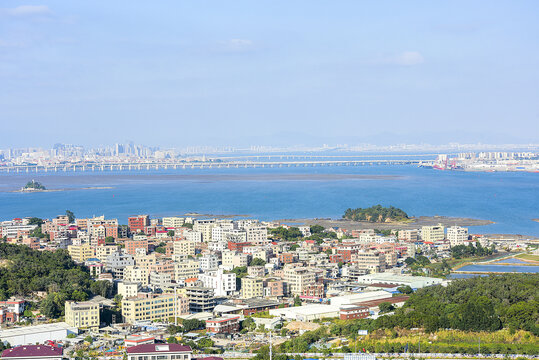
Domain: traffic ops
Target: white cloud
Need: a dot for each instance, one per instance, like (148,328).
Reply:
(25,10)
(407,58)
(236,45)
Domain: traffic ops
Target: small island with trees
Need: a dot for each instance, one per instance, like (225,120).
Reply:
(33,186)
(376,214)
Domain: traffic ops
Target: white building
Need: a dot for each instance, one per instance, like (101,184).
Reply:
(209,262)
(37,334)
(457,235)
(223,284)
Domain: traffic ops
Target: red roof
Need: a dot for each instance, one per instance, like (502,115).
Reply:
(158,348)
(30,351)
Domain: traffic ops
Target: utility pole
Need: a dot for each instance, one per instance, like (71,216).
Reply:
(270,351)
(479,345)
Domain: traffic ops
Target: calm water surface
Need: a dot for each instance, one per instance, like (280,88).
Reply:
(509,199)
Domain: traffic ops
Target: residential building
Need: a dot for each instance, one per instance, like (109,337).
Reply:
(252,287)
(80,253)
(257,234)
(159,351)
(131,246)
(187,269)
(432,233)
(297,278)
(350,312)
(102,252)
(173,222)
(223,325)
(128,289)
(151,307)
(373,261)
(138,223)
(82,314)
(223,284)
(136,274)
(184,247)
(201,299)
(209,262)
(117,262)
(205,227)
(232,259)
(457,235)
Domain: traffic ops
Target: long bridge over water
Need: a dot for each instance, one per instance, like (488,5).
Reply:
(173,165)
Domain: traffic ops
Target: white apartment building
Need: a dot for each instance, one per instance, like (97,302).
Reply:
(457,235)
(128,289)
(136,274)
(373,261)
(224,284)
(257,234)
(194,236)
(218,245)
(209,262)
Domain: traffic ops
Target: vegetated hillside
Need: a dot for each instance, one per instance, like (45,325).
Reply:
(376,214)
(477,304)
(25,271)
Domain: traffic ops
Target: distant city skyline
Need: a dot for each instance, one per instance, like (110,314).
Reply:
(271,73)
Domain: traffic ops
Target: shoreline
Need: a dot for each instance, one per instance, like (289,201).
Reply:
(58,190)
(413,223)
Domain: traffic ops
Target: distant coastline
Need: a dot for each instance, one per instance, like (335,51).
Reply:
(57,190)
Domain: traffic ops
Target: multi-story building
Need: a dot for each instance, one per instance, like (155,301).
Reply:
(252,287)
(159,351)
(223,325)
(457,235)
(373,261)
(187,269)
(256,271)
(173,222)
(350,312)
(151,307)
(138,223)
(184,247)
(82,314)
(273,288)
(209,262)
(257,234)
(102,252)
(80,253)
(128,289)
(131,246)
(409,235)
(136,274)
(201,299)
(297,278)
(205,227)
(117,262)
(432,233)
(223,284)
(232,259)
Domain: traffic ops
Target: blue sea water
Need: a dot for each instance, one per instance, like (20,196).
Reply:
(509,199)
(501,268)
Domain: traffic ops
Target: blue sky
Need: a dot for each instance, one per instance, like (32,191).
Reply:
(176,73)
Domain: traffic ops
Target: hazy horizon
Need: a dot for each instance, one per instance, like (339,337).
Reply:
(273,73)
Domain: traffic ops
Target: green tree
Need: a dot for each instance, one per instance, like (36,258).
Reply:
(257,262)
(35,221)
(170,233)
(109,240)
(297,301)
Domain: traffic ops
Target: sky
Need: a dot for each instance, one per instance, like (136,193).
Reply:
(176,73)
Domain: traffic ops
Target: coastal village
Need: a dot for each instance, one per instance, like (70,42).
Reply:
(182,287)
